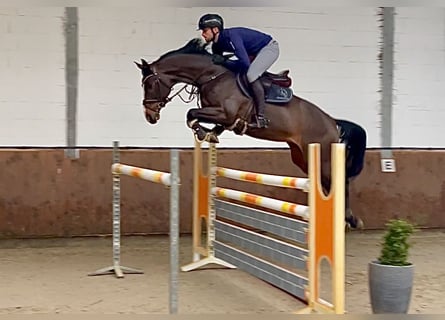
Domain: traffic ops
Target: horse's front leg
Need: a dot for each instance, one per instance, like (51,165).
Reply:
(209,115)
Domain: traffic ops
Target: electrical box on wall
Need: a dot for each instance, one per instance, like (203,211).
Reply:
(388,165)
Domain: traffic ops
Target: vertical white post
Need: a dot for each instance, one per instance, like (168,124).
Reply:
(211,163)
(338,269)
(174,231)
(197,168)
(116,268)
(116,214)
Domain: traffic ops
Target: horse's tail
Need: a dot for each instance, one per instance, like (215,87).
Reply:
(354,136)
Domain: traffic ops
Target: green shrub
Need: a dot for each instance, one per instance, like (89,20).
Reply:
(395,244)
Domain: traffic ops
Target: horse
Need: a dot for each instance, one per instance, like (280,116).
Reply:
(226,106)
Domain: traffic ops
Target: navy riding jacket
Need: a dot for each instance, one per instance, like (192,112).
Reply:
(243,42)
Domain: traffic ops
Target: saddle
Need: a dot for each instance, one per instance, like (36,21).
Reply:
(276,86)
(281,79)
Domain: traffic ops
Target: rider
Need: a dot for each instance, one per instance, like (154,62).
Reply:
(244,43)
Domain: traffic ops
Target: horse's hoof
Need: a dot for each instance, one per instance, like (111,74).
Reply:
(360,224)
(200,136)
(197,138)
(212,138)
(354,223)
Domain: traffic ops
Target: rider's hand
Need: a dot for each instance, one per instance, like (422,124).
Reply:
(218,59)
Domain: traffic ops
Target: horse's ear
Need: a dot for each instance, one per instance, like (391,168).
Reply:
(143,65)
(138,65)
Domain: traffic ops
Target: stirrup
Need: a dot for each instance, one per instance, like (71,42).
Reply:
(261,122)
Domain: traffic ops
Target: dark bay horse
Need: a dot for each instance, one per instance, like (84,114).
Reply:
(298,122)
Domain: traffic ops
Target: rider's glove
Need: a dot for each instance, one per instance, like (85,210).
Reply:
(218,59)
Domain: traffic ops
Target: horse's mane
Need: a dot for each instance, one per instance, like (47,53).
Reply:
(194,46)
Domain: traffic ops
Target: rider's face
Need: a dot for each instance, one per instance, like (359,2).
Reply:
(209,34)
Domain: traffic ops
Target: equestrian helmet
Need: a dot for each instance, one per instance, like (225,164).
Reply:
(210,20)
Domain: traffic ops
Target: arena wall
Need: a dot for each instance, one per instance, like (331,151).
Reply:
(45,194)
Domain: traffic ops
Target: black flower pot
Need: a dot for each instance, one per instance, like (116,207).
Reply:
(390,287)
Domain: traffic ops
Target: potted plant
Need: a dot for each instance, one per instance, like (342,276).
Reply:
(391,276)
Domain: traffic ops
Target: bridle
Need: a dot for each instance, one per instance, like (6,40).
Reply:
(157,82)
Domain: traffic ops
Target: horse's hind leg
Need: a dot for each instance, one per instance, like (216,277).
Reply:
(325,177)
(325,166)
(298,157)
(300,161)
(353,222)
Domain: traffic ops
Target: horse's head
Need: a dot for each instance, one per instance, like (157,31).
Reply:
(190,64)
(156,91)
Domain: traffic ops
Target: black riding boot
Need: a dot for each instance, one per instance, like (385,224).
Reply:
(260,104)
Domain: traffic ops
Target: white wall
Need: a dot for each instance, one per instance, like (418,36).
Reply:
(419,77)
(110,91)
(333,61)
(32,77)
(332,55)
